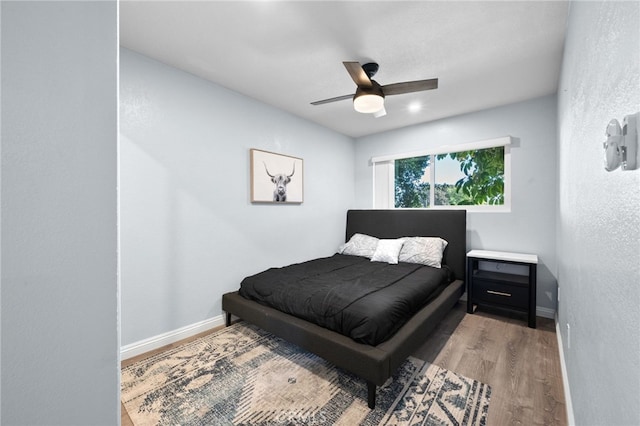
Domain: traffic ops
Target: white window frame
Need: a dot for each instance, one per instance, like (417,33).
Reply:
(384,195)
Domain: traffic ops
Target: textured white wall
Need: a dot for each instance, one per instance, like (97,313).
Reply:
(59,168)
(189,232)
(599,215)
(530,226)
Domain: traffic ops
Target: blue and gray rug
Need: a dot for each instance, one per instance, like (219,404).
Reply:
(242,375)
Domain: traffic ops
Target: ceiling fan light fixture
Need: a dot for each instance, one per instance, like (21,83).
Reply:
(368,100)
(368,103)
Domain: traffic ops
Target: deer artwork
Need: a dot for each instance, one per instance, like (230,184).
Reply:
(281,181)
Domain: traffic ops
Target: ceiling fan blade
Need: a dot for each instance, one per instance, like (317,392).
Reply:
(337,98)
(410,86)
(357,74)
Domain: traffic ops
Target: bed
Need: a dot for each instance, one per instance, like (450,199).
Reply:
(376,362)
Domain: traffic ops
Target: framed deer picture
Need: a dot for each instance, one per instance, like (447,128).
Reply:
(276,178)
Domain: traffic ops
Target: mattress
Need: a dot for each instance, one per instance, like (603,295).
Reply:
(366,301)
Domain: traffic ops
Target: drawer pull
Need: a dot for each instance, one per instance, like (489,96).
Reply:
(499,293)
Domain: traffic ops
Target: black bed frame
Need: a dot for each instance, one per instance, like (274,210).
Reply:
(375,364)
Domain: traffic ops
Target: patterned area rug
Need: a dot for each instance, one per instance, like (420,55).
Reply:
(242,375)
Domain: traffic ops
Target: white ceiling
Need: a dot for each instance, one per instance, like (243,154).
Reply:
(288,54)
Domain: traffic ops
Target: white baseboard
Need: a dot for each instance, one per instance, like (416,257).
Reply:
(545,312)
(155,342)
(571,421)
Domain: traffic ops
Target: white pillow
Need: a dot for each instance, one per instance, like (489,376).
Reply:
(388,251)
(360,245)
(423,250)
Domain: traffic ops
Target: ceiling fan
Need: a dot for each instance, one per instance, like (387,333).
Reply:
(369,96)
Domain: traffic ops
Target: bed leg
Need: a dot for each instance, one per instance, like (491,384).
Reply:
(371,395)
(227,320)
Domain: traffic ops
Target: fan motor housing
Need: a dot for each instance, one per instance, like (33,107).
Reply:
(370,68)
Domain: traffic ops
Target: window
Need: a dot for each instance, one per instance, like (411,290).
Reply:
(412,186)
(473,176)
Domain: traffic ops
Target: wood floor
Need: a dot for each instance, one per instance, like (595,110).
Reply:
(522,365)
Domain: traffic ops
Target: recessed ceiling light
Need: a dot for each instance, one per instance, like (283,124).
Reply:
(415,107)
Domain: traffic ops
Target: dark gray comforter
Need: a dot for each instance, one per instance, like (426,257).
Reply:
(367,301)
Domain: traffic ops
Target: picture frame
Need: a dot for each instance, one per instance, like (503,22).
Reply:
(276,178)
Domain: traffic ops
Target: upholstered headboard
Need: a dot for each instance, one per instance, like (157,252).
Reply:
(450,225)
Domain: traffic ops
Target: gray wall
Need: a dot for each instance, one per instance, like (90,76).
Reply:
(599,215)
(189,232)
(59,237)
(530,226)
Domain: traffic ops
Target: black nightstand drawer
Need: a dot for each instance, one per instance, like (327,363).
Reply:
(507,295)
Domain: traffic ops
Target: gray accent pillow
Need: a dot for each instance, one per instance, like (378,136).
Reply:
(423,250)
(360,245)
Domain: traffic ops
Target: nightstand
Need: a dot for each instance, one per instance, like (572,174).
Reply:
(502,280)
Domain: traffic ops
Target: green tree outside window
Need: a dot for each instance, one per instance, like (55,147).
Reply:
(482,182)
(411,190)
